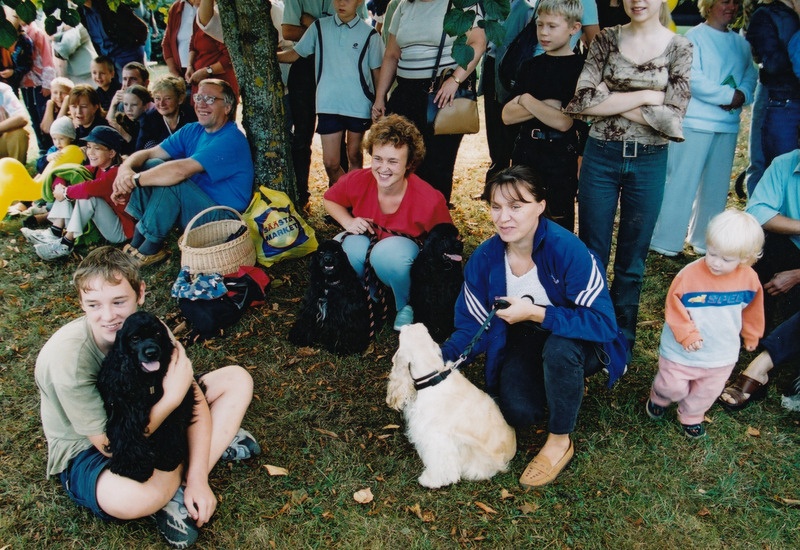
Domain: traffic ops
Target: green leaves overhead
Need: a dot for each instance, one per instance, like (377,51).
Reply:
(496,10)
(462,53)
(8,34)
(495,32)
(26,11)
(458,22)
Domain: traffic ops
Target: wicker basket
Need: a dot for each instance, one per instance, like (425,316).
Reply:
(204,249)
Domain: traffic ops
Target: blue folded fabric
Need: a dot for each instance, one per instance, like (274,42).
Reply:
(203,286)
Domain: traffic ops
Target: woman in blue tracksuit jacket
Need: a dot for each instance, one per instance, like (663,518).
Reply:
(560,325)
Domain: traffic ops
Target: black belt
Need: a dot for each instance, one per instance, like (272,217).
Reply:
(549,135)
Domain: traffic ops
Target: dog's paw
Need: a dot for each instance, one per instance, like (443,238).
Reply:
(433,481)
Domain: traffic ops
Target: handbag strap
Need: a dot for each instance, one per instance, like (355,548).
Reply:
(441,47)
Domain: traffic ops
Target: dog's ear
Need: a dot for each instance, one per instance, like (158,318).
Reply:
(400,389)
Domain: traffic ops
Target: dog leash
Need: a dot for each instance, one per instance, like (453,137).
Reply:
(437,377)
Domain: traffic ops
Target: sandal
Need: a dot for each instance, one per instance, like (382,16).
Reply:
(743,384)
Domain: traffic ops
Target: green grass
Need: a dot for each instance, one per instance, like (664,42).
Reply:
(633,483)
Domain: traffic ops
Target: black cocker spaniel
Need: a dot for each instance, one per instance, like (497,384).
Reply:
(130,382)
(334,312)
(436,280)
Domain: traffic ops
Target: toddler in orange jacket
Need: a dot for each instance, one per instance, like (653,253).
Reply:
(711,302)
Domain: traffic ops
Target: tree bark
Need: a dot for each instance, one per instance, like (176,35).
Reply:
(252,42)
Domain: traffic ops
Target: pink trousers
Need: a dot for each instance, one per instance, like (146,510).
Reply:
(694,389)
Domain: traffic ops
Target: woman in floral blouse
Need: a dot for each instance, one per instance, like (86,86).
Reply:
(634,88)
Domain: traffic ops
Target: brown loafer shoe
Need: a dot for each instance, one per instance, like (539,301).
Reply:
(540,471)
(147,259)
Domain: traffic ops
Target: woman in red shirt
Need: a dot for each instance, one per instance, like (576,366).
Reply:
(390,202)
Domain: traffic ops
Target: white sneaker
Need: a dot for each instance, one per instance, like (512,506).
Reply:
(174,523)
(38,236)
(52,250)
(243,446)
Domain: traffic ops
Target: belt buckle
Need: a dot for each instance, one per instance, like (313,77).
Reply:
(630,148)
(537,133)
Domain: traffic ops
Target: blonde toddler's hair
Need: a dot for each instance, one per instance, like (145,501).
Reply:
(736,233)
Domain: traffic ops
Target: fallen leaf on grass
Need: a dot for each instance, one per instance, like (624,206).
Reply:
(704,512)
(425,516)
(528,508)
(787,501)
(3,263)
(504,494)
(306,351)
(390,427)
(276,470)
(485,508)
(315,366)
(753,432)
(327,432)
(327,514)
(364,496)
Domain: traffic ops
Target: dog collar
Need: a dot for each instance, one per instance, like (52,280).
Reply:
(430,379)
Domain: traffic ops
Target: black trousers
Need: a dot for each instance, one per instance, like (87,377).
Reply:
(780,254)
(556,162)
(499,136)
(410,99)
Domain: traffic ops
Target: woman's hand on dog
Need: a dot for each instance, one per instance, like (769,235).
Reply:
(200,501)
(521,309)
(359,226)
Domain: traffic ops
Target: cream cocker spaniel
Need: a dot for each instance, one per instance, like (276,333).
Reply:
(457,429)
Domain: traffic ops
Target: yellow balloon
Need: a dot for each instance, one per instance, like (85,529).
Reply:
(16,184)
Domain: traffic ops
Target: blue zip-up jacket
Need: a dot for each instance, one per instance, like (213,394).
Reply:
(574,281)
(771,29)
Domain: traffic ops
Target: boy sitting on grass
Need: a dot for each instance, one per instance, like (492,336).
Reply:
(75,206)
(709,304)
(110,289)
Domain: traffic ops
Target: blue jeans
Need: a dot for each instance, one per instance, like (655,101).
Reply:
(159,209)
(637,183)
(779,133)
(755,149)
(391,258)
(539,370)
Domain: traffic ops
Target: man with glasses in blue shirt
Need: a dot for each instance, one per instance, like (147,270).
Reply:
(203,164)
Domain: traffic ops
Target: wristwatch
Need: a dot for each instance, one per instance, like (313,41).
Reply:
(209,70)
(458,81)
(136,180)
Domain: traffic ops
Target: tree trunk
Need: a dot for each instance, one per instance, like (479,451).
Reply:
(252,41)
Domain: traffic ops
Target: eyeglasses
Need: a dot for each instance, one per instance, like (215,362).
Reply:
(207,99)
